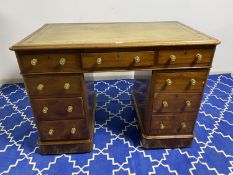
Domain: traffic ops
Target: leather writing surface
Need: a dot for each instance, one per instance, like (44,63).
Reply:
(114,35)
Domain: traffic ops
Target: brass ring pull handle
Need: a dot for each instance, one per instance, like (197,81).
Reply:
(183,125)
(62,61)
(169,82)
(51,132)
(34,62)
(188,103)
(137,59)
(165,104)
(40,87)
(67,86)
(73,130)
(99,60)
(199,57)
(162,126)
(172,58)
(45,110)
(193,81)
(69,108)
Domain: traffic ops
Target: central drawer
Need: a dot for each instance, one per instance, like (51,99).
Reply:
(53,85)
(58,108)
(63,130)
(176,102)
(117,59)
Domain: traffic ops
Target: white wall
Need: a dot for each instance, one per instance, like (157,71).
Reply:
(18,18)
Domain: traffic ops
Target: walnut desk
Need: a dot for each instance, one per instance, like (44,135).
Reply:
(171,63)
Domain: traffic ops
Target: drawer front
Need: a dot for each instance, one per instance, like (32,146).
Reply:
(180,81)
(53,85)
(63,130)
(189,57)
(176,102)
(173,124)
(117,59)
(58,108)
(42,63)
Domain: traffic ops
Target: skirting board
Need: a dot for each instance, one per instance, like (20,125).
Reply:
(107,76)
(113,75)
(221,72)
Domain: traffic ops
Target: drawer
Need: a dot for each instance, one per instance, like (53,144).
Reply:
(117,59)
(41,63)
(180,81)
(173,124)
(63,130)
(53,85)
(58,108)
(176,102)
(185,57)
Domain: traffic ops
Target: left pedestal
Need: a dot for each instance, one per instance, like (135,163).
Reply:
(62,100)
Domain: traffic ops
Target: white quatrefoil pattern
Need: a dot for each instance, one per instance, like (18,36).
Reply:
(117,149)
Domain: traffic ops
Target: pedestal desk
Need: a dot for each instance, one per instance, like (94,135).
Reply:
(171,63)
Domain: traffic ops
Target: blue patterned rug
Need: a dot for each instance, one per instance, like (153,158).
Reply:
(117,148)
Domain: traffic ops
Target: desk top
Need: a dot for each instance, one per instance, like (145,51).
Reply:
(112,35)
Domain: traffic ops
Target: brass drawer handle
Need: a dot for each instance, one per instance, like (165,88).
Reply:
(162,126)
(34,62)
(69,108)
(199,57)
(45,110)
(165,104)
(117,57)
(73,130)
(137,59)
(99,60)
(183,125)
(40,87)
(172,58)
(67,86)
(188,103)
(169,82)
(51,132)
(193,81)
(62,61)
